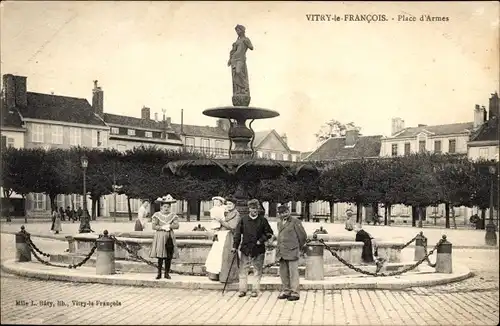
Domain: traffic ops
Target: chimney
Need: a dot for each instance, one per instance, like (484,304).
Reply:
(97,99)
(168,123)
(9,91)
(479,113)
(156,116)
(351,137)
(145,113)
(182,121)
(20,91)
(398,124)
(285,138)
(494,109)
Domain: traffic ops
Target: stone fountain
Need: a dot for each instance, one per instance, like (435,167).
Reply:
(242,168)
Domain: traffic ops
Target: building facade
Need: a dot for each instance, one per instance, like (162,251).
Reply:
(53,121)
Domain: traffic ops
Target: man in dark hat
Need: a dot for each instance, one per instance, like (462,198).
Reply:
(251,232)
(291,240)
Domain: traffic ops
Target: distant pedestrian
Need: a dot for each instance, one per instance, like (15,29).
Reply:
(78,214)
(291,240)
(369,253)
(349,224)
(57,225)
(252,232)
(140,223)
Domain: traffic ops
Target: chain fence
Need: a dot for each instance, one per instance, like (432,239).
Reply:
(133,253)
(377,273)
(35,251)
(410,242)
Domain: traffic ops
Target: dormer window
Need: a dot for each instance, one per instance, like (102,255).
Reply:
(114,130)
(148,134)
(131,132)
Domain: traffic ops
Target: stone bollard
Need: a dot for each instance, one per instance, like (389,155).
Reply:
(105,261)
(71,244)
(23,252)
(315,260)
(443,259)
(420,244)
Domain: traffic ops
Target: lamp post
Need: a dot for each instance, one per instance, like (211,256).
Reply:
(491,236)
(85,219)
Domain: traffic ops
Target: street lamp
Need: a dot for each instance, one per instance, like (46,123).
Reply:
(85,219)
(491,236)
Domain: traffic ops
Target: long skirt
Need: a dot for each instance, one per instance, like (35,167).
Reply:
(57,227)
(162,245)
(220,258)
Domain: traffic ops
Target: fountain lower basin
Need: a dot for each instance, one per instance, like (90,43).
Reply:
(194,248)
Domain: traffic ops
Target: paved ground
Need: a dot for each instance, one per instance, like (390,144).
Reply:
(459,237)
(471,302)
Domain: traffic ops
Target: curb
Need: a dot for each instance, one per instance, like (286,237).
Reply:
(202,283)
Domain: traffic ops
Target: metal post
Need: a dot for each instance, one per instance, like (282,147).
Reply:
(420,244)
(105,260)
(443,258)
(491,235)
(23,252)
(315,260)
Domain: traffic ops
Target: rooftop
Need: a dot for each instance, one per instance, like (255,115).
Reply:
(335,149)
(447,129)
(60,108)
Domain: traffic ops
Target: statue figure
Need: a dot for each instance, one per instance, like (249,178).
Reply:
(237,62)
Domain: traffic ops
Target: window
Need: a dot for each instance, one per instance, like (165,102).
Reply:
(57,134)
(294,157)
(38,201)
(452,146)
(148,134)
(115,130)
(104,138)
(205,143)
(131,132)
(265,155)
(407,149)
(285,157)
(37,133)
(394,150)
(189,142)
(421,146)
(483,152)
(7,142)
(75,136)
(96,138)
(279,156)
(121,203)
(219,147)
(437,146)
(273,156)
(259,154)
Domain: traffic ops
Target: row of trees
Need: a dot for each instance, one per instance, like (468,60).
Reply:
(417,180)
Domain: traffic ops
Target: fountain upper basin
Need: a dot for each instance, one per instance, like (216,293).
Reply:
(240,113)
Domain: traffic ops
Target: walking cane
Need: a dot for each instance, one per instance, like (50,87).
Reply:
(230,268)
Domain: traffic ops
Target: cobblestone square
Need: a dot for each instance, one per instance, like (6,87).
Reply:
(471,302)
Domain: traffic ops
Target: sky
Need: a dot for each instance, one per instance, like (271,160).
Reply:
(173,55)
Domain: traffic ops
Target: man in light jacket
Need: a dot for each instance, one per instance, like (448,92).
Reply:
(291,240)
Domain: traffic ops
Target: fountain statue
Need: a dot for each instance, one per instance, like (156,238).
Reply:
(241,168)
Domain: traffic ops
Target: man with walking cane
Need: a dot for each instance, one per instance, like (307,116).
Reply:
(252,233)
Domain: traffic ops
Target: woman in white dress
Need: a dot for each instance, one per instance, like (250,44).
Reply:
(164,246)
(218,264)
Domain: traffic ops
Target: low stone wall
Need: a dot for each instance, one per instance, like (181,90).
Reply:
(195,250)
